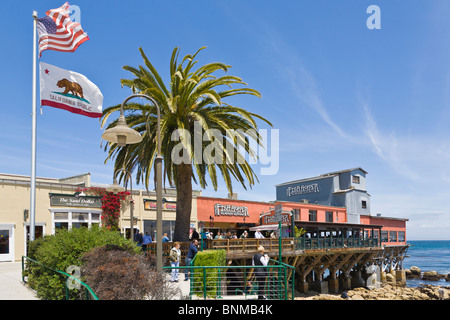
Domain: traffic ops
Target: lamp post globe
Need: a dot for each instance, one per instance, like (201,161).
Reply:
(122,134)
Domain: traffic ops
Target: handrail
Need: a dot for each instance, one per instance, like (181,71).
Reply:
(60,272)
(293,274)
(203,275)
(272,244)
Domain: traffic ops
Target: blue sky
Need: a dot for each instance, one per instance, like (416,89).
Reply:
(341,95)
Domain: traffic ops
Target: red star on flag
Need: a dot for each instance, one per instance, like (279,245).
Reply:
(46,71)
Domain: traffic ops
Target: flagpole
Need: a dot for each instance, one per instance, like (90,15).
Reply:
(33,137)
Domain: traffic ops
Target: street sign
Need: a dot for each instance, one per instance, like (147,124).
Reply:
(278,216)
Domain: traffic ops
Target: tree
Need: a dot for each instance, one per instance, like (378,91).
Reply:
(192,105)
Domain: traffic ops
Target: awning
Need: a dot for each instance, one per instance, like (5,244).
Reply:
(268,227)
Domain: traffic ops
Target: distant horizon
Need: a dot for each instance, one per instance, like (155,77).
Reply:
(425,239)
(341,94)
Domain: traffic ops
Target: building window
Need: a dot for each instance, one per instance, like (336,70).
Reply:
(364,204)
(312,215)
(384,236)
(392,236)
(68,220)
(297,214)
(401,236)
(329,216)
(168,226)
(376,234)
(355,179)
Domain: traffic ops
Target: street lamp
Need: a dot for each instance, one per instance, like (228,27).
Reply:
(123,135)
(115,187)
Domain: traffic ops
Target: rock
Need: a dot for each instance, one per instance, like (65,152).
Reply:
(415,271)
(391,292)
(430,276)
(390,296)
(390,278)
(448,277)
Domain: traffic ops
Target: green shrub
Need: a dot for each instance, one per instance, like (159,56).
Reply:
(212,278)
(63,249)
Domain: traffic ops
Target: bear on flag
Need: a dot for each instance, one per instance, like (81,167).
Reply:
(70,91)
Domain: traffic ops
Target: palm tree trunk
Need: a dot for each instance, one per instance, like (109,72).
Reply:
(184,202)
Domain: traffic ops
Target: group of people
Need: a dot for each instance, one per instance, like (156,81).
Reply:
(232,235)
(175,256)
(259,260)
(141,239)
(144,239)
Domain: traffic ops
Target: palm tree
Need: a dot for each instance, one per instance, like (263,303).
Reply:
(191,105)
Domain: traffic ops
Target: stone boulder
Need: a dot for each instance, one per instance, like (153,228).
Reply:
(390,278)
(430,276)
(415,271)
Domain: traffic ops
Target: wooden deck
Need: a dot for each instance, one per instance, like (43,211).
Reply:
(310,258)
(246,248)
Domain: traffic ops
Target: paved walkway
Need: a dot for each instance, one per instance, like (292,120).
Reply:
(11,285)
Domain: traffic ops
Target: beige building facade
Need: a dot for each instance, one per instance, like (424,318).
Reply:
(59,205)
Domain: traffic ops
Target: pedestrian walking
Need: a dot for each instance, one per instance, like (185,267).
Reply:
(174,257)
(260,259)
(190,255)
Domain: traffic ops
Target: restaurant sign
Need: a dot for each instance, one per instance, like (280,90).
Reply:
(151,205)
(302,189)
(67,200)
(270,219)
(230,210)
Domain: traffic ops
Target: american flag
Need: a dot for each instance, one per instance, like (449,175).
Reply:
(57,32)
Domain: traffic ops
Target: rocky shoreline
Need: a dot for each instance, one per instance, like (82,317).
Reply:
(416,273)
(387,292)
(390,290)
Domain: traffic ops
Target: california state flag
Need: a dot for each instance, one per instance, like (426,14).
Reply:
(70,91)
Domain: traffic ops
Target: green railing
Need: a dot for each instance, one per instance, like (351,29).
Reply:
(290,281)
(237,282)
(84,292)
(335,243)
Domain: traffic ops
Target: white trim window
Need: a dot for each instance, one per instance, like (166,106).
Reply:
(69,218)
(7,241)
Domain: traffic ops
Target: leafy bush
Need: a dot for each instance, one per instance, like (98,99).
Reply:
(65,249)
(116,274)
(209,258)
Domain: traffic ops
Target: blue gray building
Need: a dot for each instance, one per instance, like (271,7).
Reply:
(346,188)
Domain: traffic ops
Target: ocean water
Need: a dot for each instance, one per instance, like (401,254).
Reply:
(428,255)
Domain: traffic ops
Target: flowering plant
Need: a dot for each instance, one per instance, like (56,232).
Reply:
(111,204)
